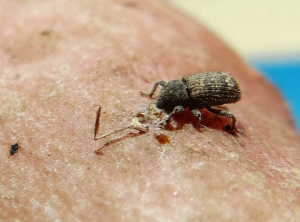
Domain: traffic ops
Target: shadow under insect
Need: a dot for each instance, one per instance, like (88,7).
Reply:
(208,120)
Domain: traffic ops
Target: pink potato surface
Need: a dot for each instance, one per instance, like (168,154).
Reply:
(58,59)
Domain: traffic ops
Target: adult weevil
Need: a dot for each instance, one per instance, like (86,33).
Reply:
(198,91)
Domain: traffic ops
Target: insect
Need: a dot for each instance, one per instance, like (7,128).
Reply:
(198,91)
(14,149)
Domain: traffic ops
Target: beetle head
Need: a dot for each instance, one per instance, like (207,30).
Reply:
(171,95)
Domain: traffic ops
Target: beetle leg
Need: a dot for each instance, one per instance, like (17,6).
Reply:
(197,114)
(227,113)
(177,109)
(161,83)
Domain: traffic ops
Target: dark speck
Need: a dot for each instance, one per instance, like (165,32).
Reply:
(14,148)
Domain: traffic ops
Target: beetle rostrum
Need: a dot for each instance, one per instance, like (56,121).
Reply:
(198,91)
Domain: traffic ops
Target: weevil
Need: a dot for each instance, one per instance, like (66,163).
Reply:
(14,149)
(198,91)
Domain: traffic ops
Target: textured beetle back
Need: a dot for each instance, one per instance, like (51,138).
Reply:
(211,89)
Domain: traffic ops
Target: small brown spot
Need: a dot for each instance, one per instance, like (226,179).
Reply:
(141,117)
(45,33)
(99,152)
(162,138)
(130,4)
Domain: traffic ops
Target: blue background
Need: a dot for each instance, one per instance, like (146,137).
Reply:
(285,75)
